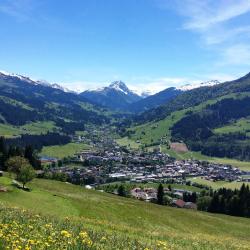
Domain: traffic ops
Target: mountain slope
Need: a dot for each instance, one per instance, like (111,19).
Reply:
(116,96)
(108,214)
(166,95)
(195,97)
(196,128)
(155,100)
(210,120)
(23,100)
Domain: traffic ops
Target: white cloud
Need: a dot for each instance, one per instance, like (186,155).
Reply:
(235,55)
(218,25)
(211,18)
(19,9)
(219,34)
(154,85)
(206,14)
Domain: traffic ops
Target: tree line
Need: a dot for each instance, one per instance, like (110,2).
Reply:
(226,201)
(9,151)
(38,141)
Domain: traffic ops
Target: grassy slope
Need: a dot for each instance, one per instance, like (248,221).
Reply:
(140,220)
(218,184)
(15,103)
(34,128)
(9,131)
(125,141)
(63,151)
(241,125)
(155,131)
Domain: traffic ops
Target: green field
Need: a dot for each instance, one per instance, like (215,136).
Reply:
(241,125)
(218,184)
(125,141)
(123,217)
(61,151)
(154,132)
(34,128)
(9,131)
(15,103)
(37,128)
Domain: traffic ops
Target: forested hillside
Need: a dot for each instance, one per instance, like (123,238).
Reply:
(23,100)
(195,97)
(211,120)
(196,129)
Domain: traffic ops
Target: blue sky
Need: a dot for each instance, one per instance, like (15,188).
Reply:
(149,44)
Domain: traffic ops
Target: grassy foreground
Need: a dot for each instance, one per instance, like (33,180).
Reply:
(110,222)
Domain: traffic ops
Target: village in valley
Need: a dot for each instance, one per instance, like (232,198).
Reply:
(105,164)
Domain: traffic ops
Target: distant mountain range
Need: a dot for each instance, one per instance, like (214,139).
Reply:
(24,100)
(117,96)
(34,82)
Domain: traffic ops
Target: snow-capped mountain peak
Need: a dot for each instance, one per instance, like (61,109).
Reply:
(198,85)
(21,77)
(120,86)
(116,96)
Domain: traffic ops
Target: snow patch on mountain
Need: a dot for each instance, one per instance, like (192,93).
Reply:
(143,93)
(35,82)
(198,85)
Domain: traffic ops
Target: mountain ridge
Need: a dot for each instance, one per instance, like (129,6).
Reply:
(24,100)
(116,96)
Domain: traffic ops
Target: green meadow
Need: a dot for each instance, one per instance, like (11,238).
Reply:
(34,128)
(61,151)
(154,226)
(218,184)
(241,125)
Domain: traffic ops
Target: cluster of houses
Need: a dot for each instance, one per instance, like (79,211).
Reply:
(106,162)
(175,196)
(176,170)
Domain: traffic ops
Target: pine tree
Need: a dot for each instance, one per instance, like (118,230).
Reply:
(3,154)
(160,194)
(121,191)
